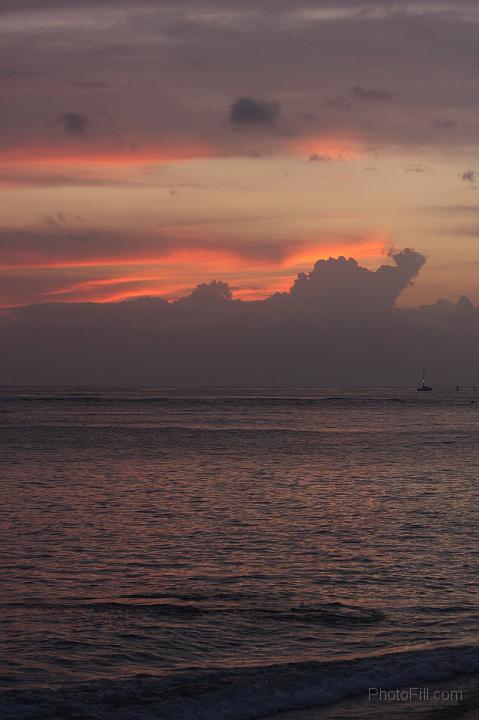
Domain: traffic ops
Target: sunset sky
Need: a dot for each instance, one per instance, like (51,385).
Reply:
(147,147)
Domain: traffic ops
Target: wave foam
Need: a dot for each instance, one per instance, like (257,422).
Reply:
(240,693)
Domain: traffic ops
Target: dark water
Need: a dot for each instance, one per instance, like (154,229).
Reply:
(228,554)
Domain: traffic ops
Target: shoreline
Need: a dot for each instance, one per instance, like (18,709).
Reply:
(361,708)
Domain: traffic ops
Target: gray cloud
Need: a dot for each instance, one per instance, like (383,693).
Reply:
(62,242)
(338,103)
(250,112)
(469,176)
(89,85)
(75,123)
(444,124)
(270,6)
(56,220)
(128,51)
(416,168)
(314,158)
(370,94)
(338,324)
(367,291)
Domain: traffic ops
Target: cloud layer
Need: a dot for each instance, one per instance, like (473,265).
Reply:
(101,69)
(336,325)
(184,139)
(67,261)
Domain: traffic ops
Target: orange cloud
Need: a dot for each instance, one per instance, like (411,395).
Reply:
(177,271)
(92,248)
(370,245)
(328,148)
(90,155)
(61,156)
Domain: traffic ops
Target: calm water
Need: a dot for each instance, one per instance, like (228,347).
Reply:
(227,554)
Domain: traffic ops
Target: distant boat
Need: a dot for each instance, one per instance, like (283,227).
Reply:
(423,387)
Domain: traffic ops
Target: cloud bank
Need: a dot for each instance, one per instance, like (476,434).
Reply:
(363,54)
(337,325)
(67,260)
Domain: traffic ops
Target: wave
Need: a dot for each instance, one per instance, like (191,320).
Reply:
(331,614)
(235,401)
(240,693)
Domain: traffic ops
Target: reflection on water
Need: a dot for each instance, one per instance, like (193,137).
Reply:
(158,530)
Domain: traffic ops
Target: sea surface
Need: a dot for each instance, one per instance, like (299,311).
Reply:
(177,554)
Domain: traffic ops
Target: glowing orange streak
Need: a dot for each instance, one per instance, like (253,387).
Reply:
(187,255)
(183,268)
(329,148)
(370,245)
(102,282)
(373,246)
(333,147)
(167,290)
(219,256)
(150,290)
(48,157)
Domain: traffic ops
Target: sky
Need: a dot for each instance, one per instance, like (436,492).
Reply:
(149,146)
(189,180)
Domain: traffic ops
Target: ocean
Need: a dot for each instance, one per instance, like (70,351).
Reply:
(230,554)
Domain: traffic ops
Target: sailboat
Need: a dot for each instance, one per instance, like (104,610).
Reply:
(423,387)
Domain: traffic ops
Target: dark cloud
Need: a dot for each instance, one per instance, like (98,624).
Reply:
(109,45)
(314,158)
(13,178)
(370,94)
(444,124)
(17,178)
(248,112)
(89,85)
(75,123)
(7,74)
(337,103)
(338,325)
(367,291)
(270,6)
(56,220)
(64,242)
(416,168)
(214,299)
(469,176)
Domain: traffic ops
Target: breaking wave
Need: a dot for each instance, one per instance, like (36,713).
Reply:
(239,693)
